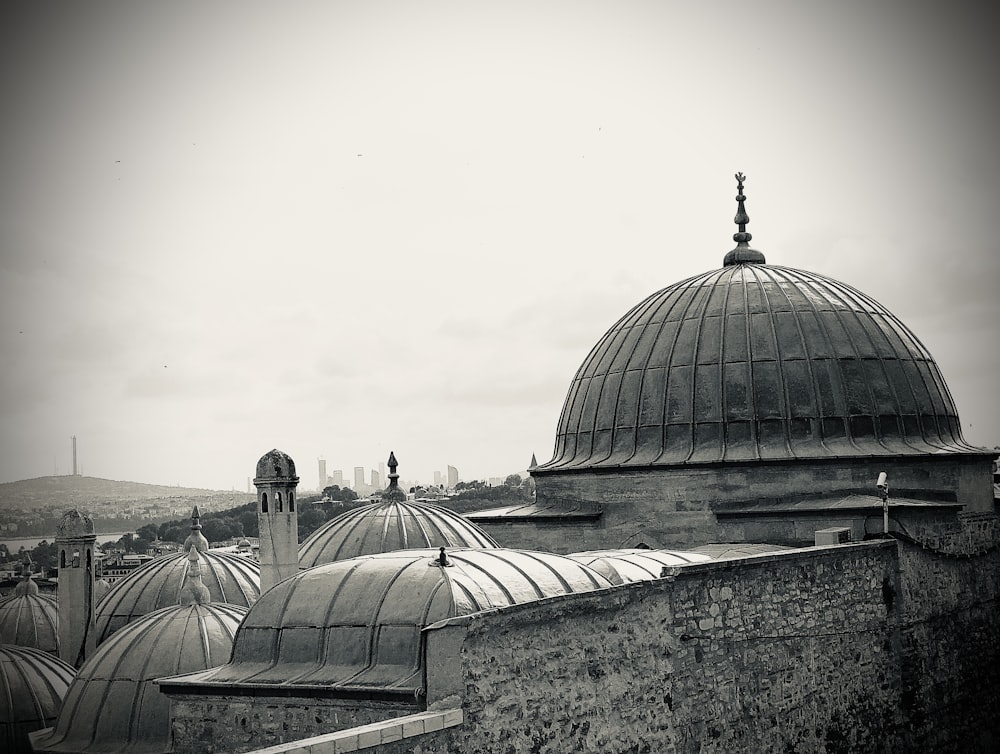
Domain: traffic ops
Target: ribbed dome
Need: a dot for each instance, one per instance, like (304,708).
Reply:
(754,362)
(388,526)
(275,464)
(32,686)
(624,566)
(230,578)
(30,620)
(355,624)
(112,706)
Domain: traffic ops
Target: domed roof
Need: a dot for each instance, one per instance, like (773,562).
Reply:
(29,619)
(112,706)
(275,465)
(752,362)
(624,566)
(32,686)
(230,578)
(355,624)
(388,526)
(74,524)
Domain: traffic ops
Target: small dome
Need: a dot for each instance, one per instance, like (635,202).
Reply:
(30,620)
(111,706)
(624,566)
(389,526)
(32,687)
(74,524)
(355,624)
(230,578)
(754,362)
(732,550)
(275,465)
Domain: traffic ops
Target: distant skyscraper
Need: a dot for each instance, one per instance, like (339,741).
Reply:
(359,478)
(452,476)
(376,480)
(322,474)
(438,479)
(337,478)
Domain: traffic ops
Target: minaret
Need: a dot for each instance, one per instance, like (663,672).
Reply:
(279,527)
(76,541)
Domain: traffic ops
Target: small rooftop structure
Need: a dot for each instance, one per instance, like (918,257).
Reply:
(33,684)
(229,578)
(353,627)
(111,705)
(30,619)
(624,566)
(392,524)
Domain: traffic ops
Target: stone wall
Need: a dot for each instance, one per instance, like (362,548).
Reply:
(878,647)
(881,646)
(224,724)
(773,653)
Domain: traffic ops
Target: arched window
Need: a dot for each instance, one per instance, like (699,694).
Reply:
(291,502)
(263,502)
(278,495)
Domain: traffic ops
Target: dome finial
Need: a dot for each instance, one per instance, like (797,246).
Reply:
(195,540)
(742,254)
(393,492)
(194,591)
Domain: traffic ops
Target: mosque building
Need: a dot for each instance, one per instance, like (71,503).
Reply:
(708,566)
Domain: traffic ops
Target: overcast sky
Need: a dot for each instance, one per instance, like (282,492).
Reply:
(345,228)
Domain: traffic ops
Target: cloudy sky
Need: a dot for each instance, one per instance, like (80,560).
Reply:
(345,228)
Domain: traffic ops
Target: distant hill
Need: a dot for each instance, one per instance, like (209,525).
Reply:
(69,491)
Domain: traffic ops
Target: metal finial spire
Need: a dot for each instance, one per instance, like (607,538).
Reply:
(742,254)
(742,218)
(393,493)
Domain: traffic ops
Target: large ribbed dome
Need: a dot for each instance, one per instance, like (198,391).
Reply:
(233,579)
(32,686)
(388,526)
(113,706)
(754,362)
(356,624)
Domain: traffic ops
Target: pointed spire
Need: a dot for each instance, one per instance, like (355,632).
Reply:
(26,585)
(194,591)
(393,492)
(742,254)
(534,462)
(195,540)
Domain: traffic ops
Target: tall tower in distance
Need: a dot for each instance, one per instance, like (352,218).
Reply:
(322,474)
(73,443)
(452,477)
(279,524)
(75,543)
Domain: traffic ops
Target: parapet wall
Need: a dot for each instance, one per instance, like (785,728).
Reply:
(771,653)
(881,646)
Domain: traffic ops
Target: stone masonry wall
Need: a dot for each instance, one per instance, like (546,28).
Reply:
(950,638)
(774,653)
(881,646)
(226,724)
